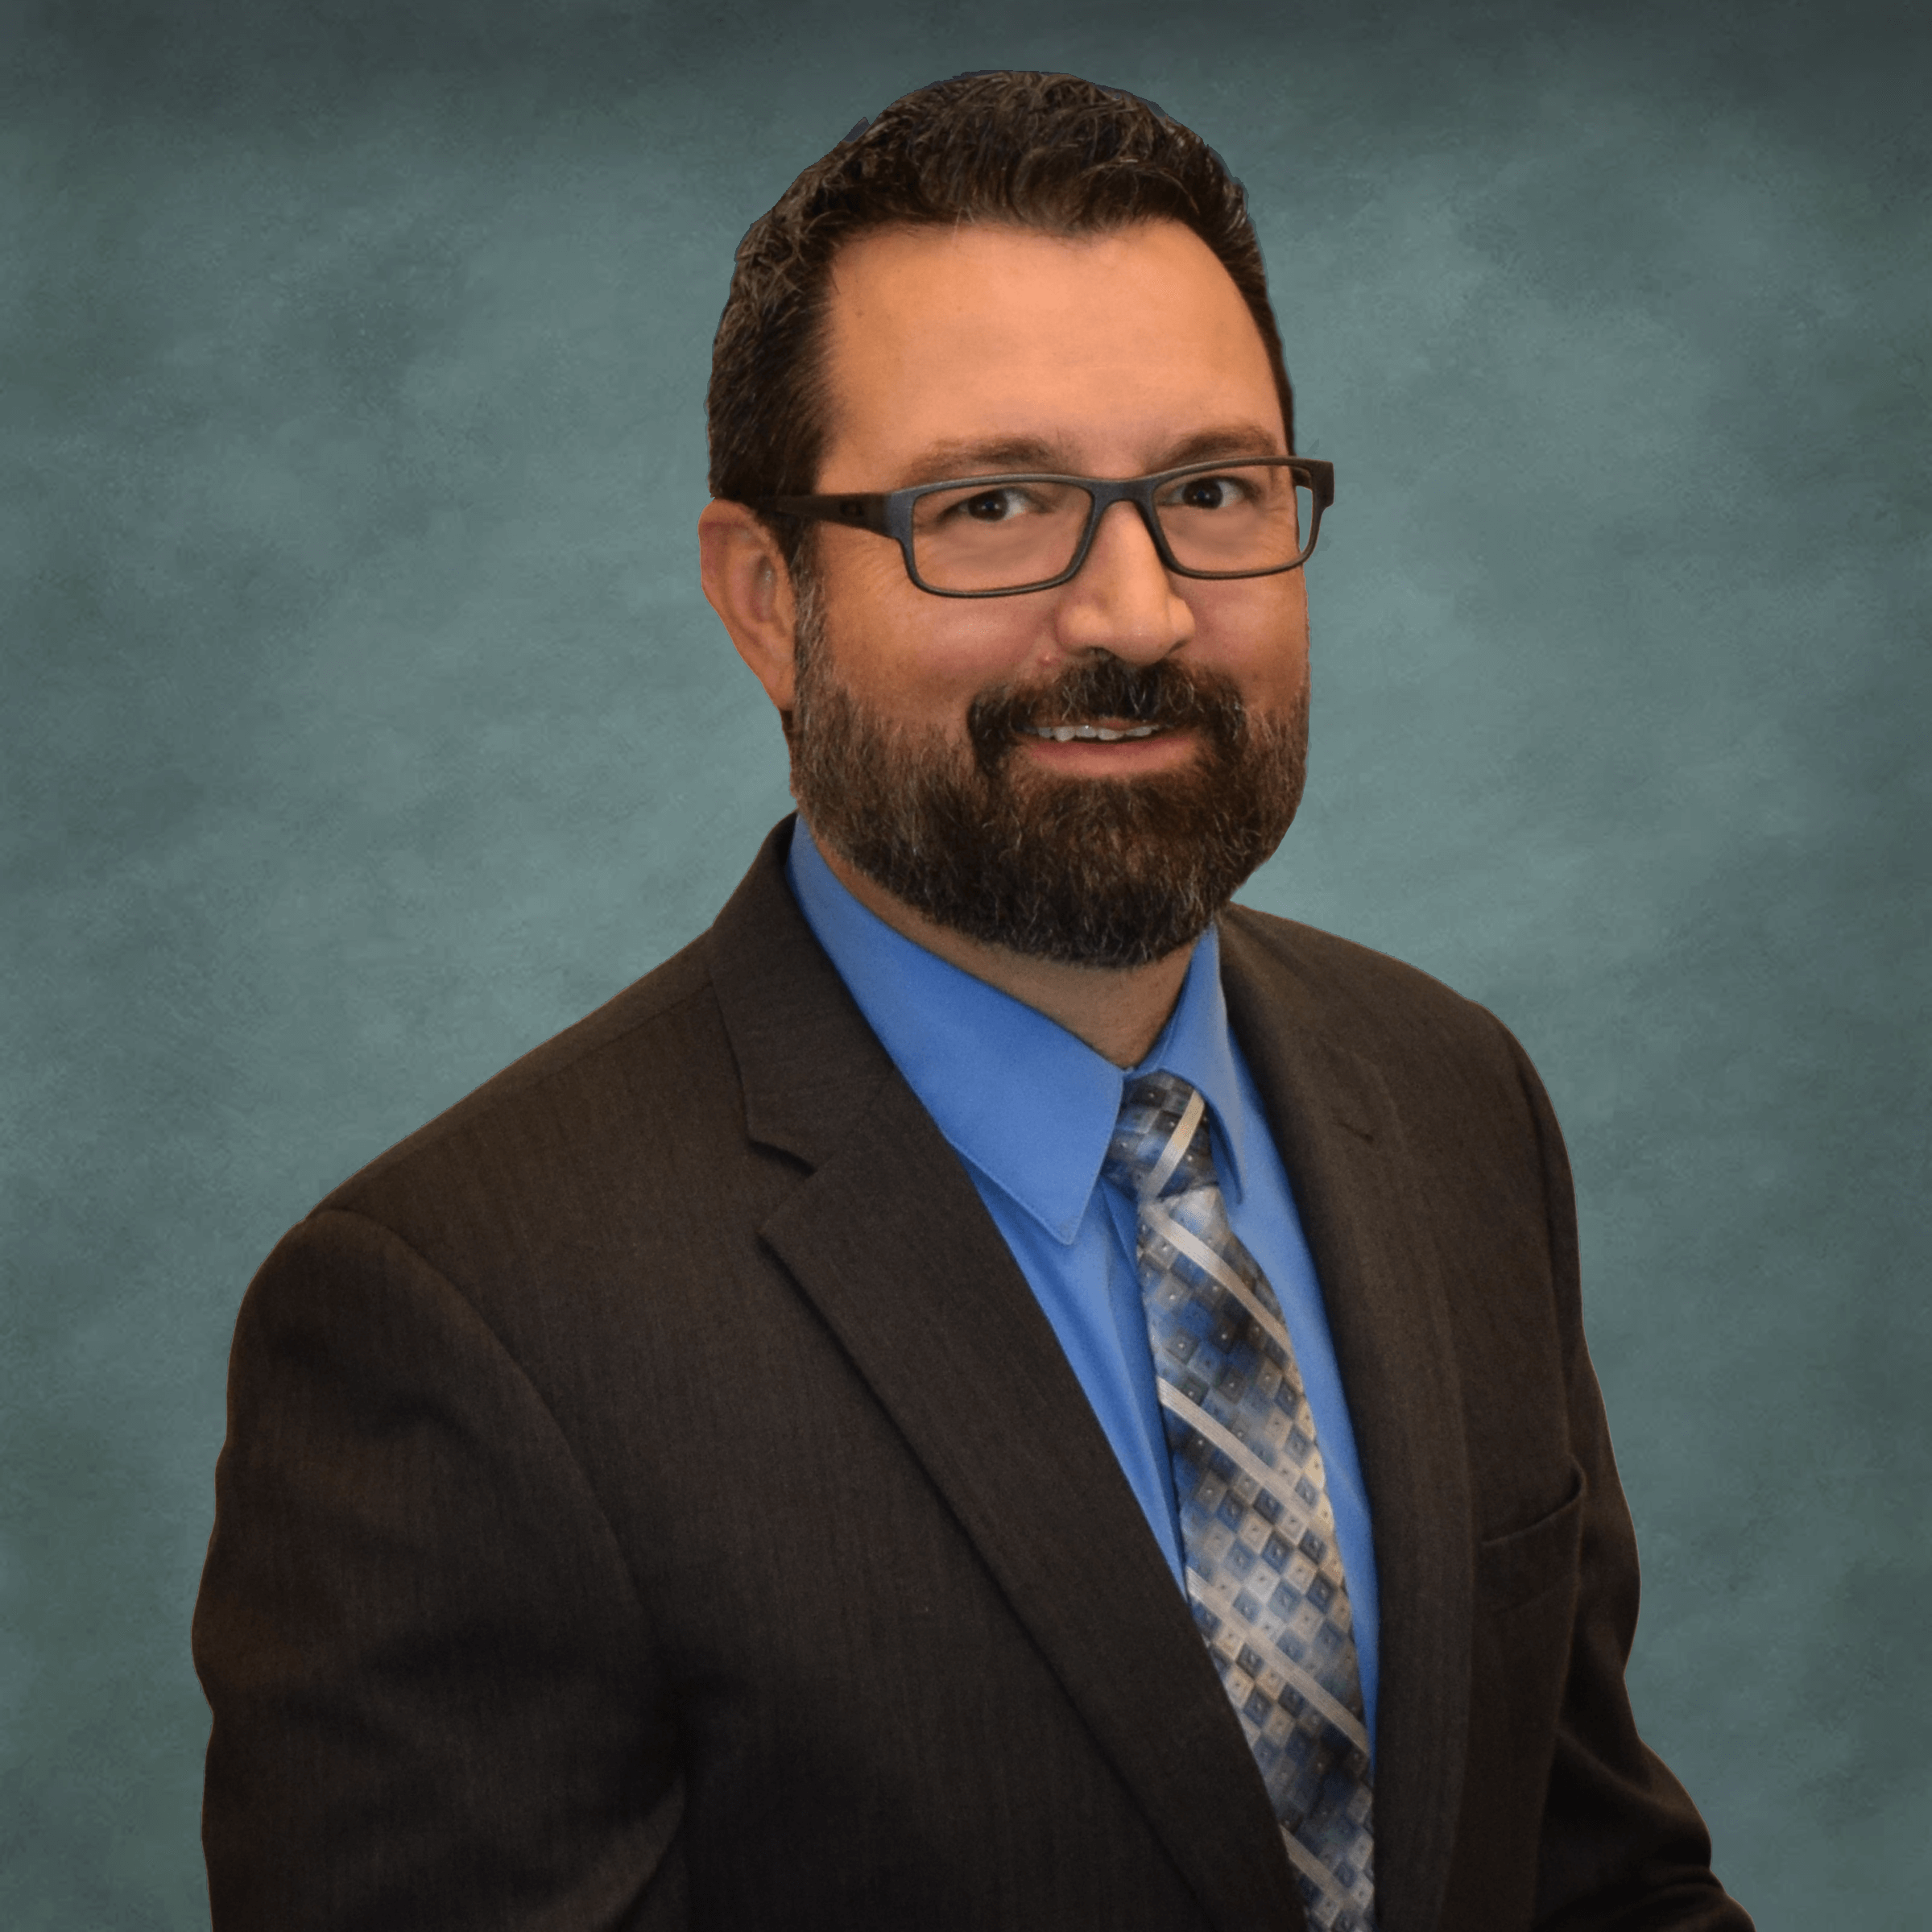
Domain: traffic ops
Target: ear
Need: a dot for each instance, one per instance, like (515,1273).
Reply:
(746,582)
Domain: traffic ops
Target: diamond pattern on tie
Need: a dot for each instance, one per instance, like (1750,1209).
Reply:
(1257,1530)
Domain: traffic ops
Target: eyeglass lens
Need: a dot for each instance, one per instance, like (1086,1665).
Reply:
(1245,517)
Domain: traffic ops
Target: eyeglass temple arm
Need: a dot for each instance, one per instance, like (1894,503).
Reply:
(858,512)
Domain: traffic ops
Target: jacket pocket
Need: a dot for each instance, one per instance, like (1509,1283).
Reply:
(1518,1567)
(1526,1594)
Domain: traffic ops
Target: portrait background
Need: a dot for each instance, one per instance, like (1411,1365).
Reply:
(363,724)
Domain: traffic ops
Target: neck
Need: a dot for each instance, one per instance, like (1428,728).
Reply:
(1117,1011)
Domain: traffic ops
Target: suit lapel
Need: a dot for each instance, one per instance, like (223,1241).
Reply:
(1341,1140)
(889,1239)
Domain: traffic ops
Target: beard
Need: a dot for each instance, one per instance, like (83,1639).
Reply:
(1092,872)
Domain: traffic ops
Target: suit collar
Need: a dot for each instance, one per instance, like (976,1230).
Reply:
(808,1063)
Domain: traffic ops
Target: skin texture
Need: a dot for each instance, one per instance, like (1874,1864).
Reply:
(948,349)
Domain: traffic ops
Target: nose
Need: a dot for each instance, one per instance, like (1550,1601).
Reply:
(1122,601)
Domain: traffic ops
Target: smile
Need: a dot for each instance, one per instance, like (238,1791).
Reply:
(1090,734)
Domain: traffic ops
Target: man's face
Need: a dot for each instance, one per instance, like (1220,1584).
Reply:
(918,750)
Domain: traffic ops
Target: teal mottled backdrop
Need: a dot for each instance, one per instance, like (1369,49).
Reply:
(363,725)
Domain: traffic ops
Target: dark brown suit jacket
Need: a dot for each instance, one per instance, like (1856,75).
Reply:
(653,1498)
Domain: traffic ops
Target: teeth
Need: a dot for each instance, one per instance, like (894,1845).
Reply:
(1090,733)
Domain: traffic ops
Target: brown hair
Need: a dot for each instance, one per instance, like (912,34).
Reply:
(1047,152)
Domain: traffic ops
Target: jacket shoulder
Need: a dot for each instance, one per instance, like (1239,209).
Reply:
(1368,1002)
(1474,1113)
(560,1090)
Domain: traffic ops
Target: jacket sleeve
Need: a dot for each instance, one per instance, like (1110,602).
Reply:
(435,1702)
(1623,1847)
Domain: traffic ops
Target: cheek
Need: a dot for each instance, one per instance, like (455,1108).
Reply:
(1260,642)
(923,659)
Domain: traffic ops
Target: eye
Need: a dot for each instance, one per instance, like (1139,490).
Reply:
(1209,492)
(991,505)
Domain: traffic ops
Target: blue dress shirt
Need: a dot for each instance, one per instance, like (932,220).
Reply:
(1030,1109)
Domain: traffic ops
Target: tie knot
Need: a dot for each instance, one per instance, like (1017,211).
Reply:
(1160,1140)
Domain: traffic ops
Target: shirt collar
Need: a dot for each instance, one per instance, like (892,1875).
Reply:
(1029,1105)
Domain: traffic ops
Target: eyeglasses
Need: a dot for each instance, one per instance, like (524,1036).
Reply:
(998,535)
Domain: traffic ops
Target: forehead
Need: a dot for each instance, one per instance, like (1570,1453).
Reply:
(1106,348)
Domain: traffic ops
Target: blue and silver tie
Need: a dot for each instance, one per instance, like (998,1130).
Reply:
(1257,1531)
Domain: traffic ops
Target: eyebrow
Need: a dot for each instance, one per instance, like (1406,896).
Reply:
(988,456)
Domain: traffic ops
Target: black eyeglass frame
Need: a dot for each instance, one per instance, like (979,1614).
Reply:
(890,513)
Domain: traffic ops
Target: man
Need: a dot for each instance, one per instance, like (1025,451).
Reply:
(993,1389)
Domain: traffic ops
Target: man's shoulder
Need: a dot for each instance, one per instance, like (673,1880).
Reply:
(1444,1062)
(1352,995)
(657,1038)
(611,1122)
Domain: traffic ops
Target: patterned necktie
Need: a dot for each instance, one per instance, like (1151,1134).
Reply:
(1257,1531)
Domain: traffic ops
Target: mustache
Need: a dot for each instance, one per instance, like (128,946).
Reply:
(1175,697)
